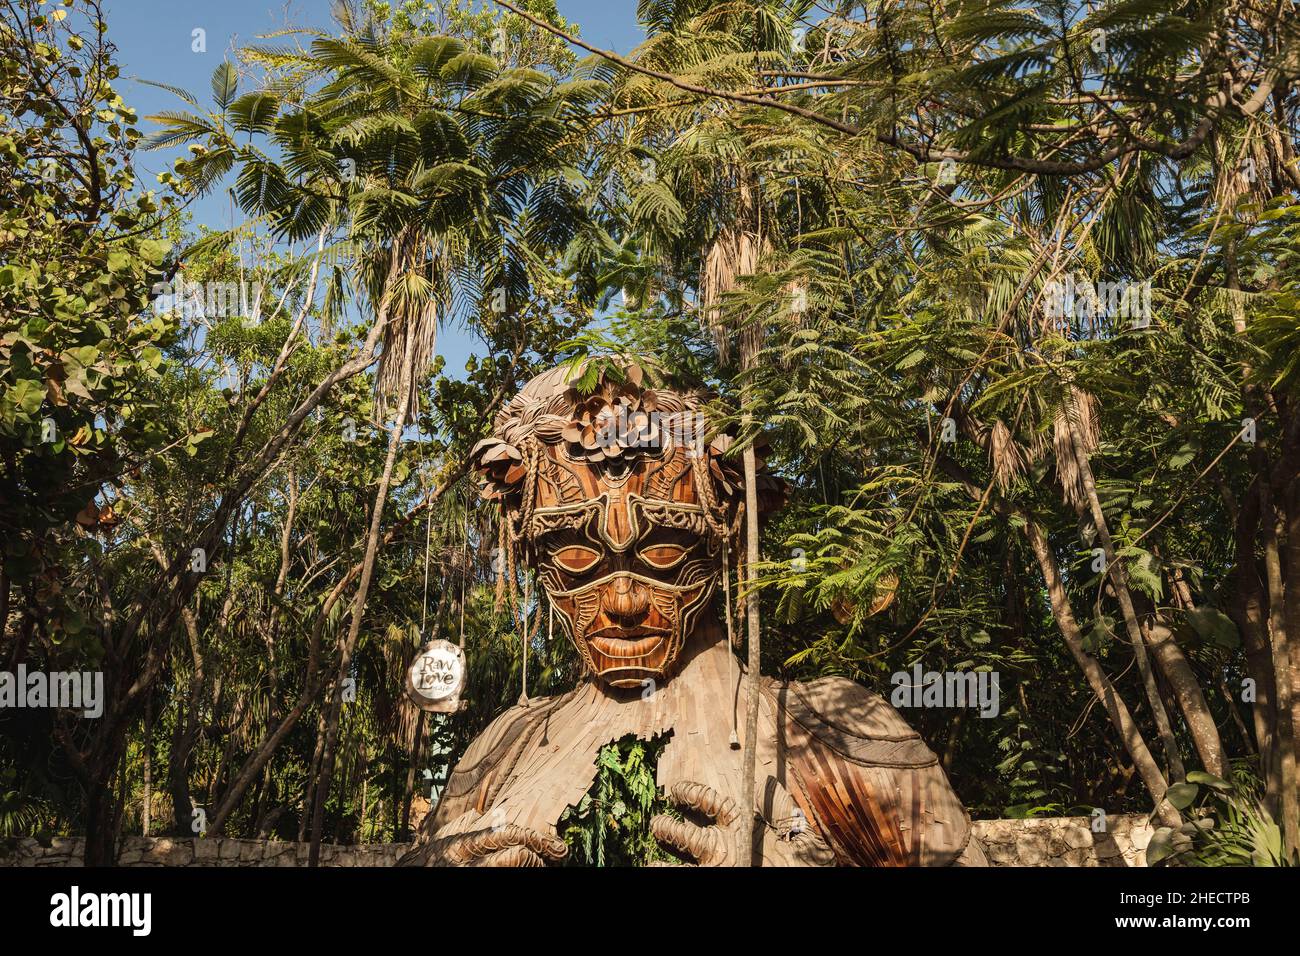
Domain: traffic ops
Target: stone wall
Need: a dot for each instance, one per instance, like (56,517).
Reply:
(1065,841)
(211,851)
(1044,841)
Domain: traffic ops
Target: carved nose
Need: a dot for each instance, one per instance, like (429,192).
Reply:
(626,601)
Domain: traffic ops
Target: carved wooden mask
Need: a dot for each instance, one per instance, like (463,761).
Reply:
(619,501)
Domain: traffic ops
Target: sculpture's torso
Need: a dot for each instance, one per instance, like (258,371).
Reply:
(861,784)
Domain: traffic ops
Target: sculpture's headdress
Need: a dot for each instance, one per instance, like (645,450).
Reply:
(621,418)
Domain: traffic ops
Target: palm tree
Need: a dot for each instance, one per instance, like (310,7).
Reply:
(444,182)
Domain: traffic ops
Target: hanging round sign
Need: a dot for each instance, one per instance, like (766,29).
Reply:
(436,677)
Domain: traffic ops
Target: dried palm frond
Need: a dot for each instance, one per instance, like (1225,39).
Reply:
(1067,466)
(394,712)
(1038,445)
(414,313)
(1079,411)
(1087,423)
(1005,455)
(1244,167)
(796,293)
(734,252)
(423,326)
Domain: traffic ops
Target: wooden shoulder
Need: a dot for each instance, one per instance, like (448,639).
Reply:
(856,723)
(866,780)
(488,760)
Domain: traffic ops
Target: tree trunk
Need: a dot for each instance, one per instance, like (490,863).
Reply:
(417,747)
(313,777)
(146,812)
(1249,612)
(1267,614)
(1173,664)
(178,771)
(1110,699)
(1117,575)
(100,850)
(1289,497)
(748,829)
(359,603)
(1290,802)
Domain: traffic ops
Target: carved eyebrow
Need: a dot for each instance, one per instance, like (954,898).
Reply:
(567,516)
(677,515)
(672,514)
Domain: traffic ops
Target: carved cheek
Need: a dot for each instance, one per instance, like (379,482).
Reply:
(566,610)
(691,603)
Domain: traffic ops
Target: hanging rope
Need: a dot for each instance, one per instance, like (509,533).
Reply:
(523,619)
(428,530)
(424,611)
(529,596)
(502,542)
(512,573)
(464,576)
(704,489)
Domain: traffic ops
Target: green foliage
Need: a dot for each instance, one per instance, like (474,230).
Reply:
(1229,826)
(82,248)
(610,825)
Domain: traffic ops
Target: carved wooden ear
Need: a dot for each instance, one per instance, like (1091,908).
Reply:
(499,466)
(773,492)
(728,471)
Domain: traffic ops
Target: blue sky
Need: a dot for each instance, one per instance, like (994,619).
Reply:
(154,40)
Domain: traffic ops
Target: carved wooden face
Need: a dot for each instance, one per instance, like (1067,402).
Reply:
(622,548)
(603,491)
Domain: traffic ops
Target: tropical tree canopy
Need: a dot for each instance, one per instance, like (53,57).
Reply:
(1009,292)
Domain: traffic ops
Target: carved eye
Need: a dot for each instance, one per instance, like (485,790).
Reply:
(663,556)
(576,559)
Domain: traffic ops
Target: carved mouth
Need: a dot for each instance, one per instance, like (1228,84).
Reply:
(627,643)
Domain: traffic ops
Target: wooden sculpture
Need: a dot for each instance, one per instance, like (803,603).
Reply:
(626,513)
